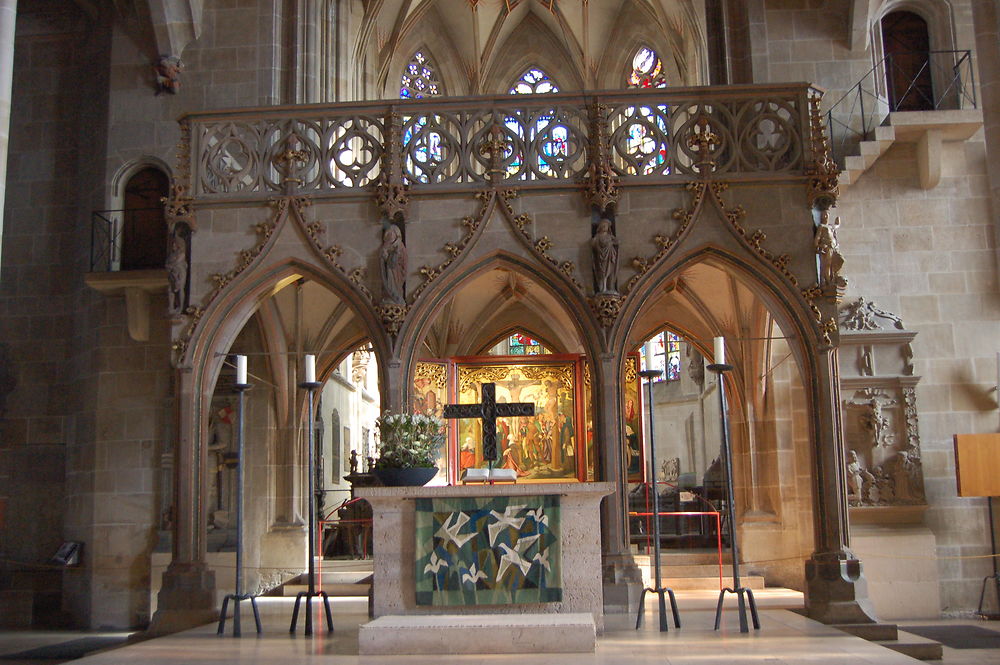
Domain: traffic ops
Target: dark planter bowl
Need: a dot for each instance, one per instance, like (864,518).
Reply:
(412,477)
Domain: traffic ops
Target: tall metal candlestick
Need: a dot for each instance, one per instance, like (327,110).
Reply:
(743,595)
(311,387)
(649,374)
(241,387)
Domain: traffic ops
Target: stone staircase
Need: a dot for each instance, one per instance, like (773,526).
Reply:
(338,578)
(889,636)
(926,129)
(694,571)
(868,154)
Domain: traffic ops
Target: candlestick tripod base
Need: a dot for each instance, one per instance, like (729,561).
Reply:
(309,595)
(739,592)
(663,608)
(236,598)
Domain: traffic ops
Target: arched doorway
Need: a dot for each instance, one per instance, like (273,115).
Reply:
(144,227)
(906,44)
(768,426)
(290,313)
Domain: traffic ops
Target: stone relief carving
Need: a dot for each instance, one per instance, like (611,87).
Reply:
(897,481)
(359,367)
(883,465)
(863,315)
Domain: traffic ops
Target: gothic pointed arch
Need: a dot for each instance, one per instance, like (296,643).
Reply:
(771,344)
(531,44)
(674,36)
(424,31)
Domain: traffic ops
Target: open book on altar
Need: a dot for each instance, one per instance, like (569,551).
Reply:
(489,475)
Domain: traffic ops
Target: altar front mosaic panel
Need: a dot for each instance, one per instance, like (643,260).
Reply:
(488,551)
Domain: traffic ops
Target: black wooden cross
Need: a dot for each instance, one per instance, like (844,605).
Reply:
(489,411)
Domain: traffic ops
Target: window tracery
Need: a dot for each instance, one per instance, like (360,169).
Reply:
(419,78)
(645,137)
(534,81)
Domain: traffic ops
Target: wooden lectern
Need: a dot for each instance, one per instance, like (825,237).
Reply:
(977,459)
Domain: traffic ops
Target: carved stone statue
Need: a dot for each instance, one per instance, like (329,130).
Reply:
(828,251)
(177,269)
(671,469)
(604,245)
(168,74)
(392,257)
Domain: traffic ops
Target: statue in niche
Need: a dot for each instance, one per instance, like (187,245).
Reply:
(177,269)
(828,249)
(392,256)
(604,245)
(220,447)
(359,367)
(168,74)
(866,364)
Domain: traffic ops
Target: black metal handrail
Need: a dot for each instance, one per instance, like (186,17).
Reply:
(108,229)
(854,117)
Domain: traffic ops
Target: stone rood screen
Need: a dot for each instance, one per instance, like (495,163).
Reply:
(645,136)
(489,410)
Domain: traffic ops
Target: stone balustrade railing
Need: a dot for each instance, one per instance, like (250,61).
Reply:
(753,132)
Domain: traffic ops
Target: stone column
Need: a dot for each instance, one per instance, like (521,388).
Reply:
(8,14)
(836,591)
(187,596)
(986,17)
(622,578)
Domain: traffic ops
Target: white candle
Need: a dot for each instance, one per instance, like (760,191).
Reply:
(647,350)
(310,368)
(720,350)
(241,370)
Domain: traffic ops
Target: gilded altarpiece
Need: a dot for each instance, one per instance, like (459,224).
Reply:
(550,446)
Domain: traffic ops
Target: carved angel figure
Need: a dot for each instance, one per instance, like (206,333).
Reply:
(604,245)
(393,263)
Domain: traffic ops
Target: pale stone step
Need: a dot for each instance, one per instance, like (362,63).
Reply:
(752,582)
(873,632)
(692,570)
(684,558)
(478,633)
(332,589)
(914,646)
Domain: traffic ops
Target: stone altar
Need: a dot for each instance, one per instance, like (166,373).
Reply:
(394,547)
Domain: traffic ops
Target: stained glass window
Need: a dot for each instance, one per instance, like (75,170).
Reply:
(647,70)
(419,79)
(533,82)
(645,137)
(536,82)
(522,345)
(666,355)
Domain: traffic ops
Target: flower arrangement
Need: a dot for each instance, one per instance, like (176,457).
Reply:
(408,440)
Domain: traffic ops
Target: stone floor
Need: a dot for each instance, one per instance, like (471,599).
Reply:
(785,638)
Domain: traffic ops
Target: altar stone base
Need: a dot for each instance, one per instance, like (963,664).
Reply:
(479,633)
